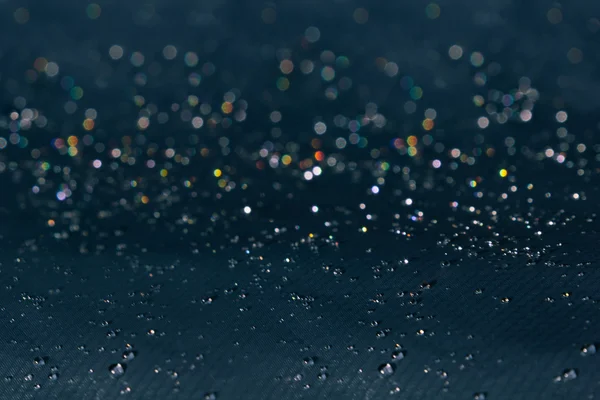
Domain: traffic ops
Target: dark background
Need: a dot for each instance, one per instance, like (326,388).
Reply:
(488,283)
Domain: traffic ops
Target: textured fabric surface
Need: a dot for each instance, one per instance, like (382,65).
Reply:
(253,345)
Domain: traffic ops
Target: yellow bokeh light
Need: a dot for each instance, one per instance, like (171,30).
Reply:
(88,124)
(72,140)
(227,107)
(428,124)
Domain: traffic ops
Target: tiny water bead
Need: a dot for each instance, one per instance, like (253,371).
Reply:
(398,355)
(129,355)
(117,370)
(111,334)
(39,361)
(322,376)
(568,374)
(386,369)
(309,361)
(588,350)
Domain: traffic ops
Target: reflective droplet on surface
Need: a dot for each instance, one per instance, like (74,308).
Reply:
(117,370)
(129,355)
(567,375)
(309,361)
(398,355)
(39,361)
(386,369)
(480,396)
(442,374)
(395,390)
(210,396)
(588,350)
(111,334)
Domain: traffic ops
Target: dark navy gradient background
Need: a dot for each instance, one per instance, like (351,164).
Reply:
(219,302)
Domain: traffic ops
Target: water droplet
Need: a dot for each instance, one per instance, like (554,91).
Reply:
(442,374)
(428,285)
(129,355)
(309,361)
(39,361)
(210,396)
(588,350)
(395,390)
(28,377)
(323,376)
(117,370)
(398,355)
(53,376)
(111,334)
(480,396)
(567,375)
(386,369)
